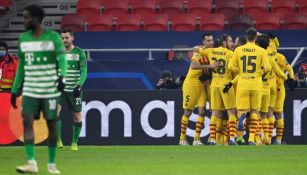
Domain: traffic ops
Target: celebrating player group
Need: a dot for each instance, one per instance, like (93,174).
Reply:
(244,84)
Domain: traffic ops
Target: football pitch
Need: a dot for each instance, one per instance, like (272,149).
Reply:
(166,160)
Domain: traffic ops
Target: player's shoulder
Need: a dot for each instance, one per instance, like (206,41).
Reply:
(52,33)
(24,35)
(196,55)
(78,49)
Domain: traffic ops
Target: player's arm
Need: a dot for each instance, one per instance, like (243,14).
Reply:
(83,69)
(277,70)
(60,53)
(202,51)
(265,64)
(20,72)
(289,69)
(195,65)
(232,66)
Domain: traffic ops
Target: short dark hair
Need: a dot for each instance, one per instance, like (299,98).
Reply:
(251,34)
(36,11)
(219,41)
(3,44)
(242,40)
(67,30)
(206,34)
(263,41)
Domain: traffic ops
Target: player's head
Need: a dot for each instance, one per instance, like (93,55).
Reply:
(224,41)
(263,41)
(67,36)
(251,34)
(207,40)
(239,41)
(33,16)
(3,49)
(166,75)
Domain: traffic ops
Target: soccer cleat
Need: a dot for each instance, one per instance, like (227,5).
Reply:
(197,143)
(232,142)
(60,144)
(240,141)
(276,142)
(30,167)
(74,147)
(52,169)
(183,143)
(212,143)
(252,143)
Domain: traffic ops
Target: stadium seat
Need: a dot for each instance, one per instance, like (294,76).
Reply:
(212,22)
(87,8)
(171,7)
(254,7)
(128,22)
(199,7)
(184,22)
(267,21)
(240,22)
(5,4)
(143,6)
(227,7)
(115,7)
(283,7)
(155,22)
(74,22)
(302,6)
(295,22)
(100,23)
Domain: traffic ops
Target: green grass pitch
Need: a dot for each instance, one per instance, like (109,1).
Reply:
(166,160)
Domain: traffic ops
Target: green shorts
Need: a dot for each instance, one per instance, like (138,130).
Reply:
(74,104)
(33,106)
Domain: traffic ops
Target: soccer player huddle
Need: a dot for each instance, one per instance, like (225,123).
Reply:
(46,60)
(244,84)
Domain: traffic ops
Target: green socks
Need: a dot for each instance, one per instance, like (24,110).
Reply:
(76,132)
(30,151)
(51,154)
(59,128)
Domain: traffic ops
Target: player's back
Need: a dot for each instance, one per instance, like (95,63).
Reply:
(221,75)
(249,59)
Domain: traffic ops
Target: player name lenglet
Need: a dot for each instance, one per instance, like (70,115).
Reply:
(248,50)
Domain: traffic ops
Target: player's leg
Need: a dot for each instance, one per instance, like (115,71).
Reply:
(216,120)
(273,95)
(264,120)
(226,132)
(243,106)
(62,100)
(229,102)
(255,102)
(30,107)
(50,113)
(59,128)
(202,99)
(213,126)
(76,106)
(279,105)
(188,103)
(219,129)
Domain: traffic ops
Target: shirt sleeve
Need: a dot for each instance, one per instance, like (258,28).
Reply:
(60,53)
(277,69)
(83,68)
(232,62)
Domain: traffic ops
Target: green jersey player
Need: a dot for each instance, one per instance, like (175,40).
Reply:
(75,78)
(40,52)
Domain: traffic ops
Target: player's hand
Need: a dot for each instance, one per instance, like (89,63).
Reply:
(13,100)
(227,87)
(196,49)
(60,83)
(215,65)
(291,83)
(77,91)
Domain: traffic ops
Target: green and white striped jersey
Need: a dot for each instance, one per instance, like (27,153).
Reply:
(76,59)
(40,63)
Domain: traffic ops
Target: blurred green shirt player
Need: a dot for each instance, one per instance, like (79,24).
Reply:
(72,95)
(40,52)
